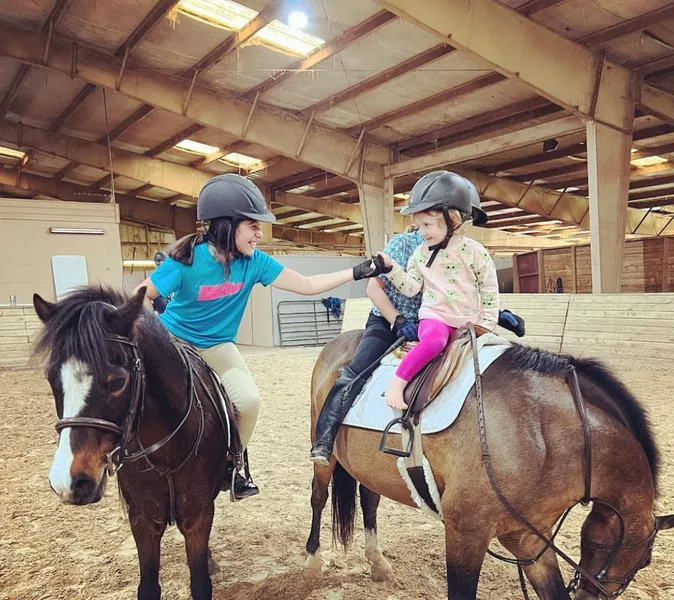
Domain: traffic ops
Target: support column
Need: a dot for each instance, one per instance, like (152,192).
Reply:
(376,207)
(608,170)
(266,227)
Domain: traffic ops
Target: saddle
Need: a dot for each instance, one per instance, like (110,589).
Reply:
(428,383)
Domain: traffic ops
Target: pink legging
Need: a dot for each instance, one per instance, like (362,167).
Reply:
(433,337)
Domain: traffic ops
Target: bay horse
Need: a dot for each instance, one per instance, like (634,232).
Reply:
(538,462)
(131,398)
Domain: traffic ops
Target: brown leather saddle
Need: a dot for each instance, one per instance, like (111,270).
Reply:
(427,384)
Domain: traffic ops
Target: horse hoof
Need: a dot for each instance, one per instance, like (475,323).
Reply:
(313,567)
(382,572)
(213,567)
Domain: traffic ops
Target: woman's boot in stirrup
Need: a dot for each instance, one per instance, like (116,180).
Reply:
(334,410)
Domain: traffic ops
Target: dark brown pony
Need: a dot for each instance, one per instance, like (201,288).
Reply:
(128,396)
(537,448)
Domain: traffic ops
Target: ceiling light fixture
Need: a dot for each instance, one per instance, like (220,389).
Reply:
(297,20)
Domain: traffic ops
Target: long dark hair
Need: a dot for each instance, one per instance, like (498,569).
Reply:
(220,232)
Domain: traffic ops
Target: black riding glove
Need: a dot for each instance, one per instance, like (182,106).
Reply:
(372,267)
(402,327)
(511,322)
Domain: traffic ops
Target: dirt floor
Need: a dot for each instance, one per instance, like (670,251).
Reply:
(48,550)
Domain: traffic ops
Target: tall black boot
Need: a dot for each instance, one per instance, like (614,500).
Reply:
(243,485)
(337,404)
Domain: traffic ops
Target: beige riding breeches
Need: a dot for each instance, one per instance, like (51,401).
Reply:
(238,382)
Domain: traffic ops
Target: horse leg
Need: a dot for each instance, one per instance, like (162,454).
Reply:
(197,531)
(319,496)
(147,535)
(381,568)
(466,543)
(544,575)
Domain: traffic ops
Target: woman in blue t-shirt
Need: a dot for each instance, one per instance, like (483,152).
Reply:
(209,277)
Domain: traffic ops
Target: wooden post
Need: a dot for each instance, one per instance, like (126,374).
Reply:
(541,272)
(608,168)
(665,264)
(516,276)
(376,207)
(574,275)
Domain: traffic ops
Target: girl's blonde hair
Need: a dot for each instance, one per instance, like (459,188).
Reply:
(457,219)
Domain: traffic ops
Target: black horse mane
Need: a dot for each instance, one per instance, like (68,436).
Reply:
(637,421)
(79,324)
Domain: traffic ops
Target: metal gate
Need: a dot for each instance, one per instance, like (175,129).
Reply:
(307,323)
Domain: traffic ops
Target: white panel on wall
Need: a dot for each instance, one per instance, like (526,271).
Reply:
(69,272)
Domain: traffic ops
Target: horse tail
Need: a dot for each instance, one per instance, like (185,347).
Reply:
(343,505)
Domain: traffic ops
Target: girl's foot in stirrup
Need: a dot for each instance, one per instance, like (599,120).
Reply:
(395,393)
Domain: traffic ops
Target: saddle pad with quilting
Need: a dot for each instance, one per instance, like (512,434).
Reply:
(370,411)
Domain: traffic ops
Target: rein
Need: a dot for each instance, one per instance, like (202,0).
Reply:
(128,431)
(599,580)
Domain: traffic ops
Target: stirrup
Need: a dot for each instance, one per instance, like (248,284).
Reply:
(405,424)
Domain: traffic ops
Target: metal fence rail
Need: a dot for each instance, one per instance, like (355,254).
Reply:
(307,323)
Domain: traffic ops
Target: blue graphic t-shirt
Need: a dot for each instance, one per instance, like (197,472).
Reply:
(400,247)
(206,309)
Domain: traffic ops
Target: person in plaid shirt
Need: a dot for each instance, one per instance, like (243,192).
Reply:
(393,315)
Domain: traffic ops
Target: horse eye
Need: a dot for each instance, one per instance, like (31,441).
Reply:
(116,385)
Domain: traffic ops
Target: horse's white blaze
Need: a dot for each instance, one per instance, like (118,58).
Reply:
(76,382)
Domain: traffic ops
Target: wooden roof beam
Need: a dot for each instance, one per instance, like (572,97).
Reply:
(173,140)
(565,207)
(58,10)
(324,148)
(640,23)
(316,238)
(561,70)
(330,48)
(151,20)
(367,85)
(144,211)
(537,133)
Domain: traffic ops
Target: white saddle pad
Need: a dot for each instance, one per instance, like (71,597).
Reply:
(370,411)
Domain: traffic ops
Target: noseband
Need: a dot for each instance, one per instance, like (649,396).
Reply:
(129,428)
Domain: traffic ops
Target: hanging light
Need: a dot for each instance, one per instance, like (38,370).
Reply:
(297,20)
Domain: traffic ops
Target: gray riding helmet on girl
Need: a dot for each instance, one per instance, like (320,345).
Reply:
(232,196)
(442,190)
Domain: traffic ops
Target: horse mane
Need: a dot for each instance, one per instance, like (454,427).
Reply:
(628,406)
(77,326)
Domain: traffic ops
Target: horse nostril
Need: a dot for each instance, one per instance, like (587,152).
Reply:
(83,486)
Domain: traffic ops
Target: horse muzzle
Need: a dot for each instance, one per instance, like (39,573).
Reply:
(83,489)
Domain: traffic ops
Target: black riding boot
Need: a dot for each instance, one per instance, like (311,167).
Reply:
(243,486)
(337,404)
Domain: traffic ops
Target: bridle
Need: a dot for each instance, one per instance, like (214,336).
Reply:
(599,580)
(127,432)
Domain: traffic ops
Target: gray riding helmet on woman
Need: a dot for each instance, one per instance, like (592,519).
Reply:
(232,196)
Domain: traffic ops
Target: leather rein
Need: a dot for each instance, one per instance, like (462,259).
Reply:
(127,433)
(599,580)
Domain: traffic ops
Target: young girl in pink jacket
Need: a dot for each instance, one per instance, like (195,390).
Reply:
(456,273)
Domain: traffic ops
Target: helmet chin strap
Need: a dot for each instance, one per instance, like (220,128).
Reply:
(435,248)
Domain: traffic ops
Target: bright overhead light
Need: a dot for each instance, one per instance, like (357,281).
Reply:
(649,161)
(568,189)
(297,20)
(11,153)
(233,16)
(196,147)
(241,160)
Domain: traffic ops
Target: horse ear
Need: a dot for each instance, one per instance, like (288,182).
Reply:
(664,522)
(45,310)
(122,320)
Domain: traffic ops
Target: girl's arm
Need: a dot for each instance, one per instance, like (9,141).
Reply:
(487,282)
(377,294)
(409,283)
